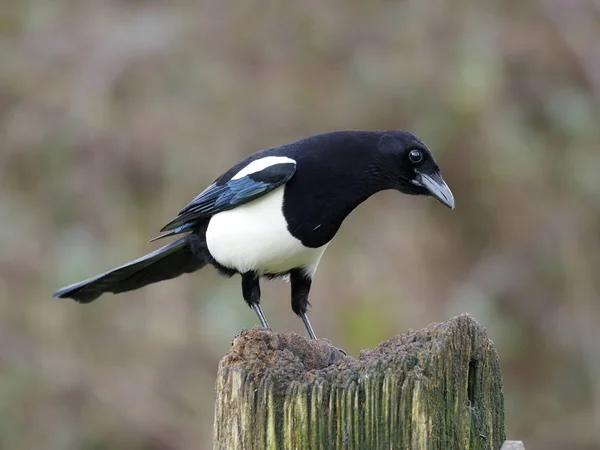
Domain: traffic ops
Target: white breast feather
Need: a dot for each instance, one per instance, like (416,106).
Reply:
(254,237)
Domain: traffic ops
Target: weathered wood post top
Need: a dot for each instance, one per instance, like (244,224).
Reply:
(436,388)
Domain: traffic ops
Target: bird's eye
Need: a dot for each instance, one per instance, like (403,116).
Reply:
(415,156)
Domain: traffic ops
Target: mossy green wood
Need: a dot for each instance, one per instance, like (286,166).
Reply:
(437,388)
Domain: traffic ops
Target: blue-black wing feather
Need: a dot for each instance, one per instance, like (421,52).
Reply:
(227,195)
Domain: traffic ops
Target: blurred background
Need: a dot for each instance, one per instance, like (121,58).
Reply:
(114,114)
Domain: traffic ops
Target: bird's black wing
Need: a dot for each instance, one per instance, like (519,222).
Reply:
(223,195)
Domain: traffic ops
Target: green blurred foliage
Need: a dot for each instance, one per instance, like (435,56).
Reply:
(114,114)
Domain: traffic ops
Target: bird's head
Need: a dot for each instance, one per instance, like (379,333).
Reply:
(412,167)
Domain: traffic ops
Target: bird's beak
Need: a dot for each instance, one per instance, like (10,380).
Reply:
(437,187)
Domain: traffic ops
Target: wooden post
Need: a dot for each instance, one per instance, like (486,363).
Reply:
(436,388)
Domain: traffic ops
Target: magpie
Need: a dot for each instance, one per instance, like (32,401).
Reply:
(274,213)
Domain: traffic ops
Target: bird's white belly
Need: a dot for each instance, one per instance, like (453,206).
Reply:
(254,237)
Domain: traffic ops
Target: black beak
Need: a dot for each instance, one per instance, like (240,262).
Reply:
(436,186)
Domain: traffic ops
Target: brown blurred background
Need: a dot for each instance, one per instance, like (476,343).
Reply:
(114,114)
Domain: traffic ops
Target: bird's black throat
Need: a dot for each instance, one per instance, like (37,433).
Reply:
(317,201)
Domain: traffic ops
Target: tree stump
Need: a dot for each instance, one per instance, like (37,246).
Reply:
(436,388)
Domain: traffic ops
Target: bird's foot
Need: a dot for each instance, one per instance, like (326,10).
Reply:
(341,350)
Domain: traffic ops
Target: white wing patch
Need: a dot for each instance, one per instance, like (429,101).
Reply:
(261,164)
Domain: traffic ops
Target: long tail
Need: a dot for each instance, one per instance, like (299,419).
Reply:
(165,263)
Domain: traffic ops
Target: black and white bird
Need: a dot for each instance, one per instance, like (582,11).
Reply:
(273,214)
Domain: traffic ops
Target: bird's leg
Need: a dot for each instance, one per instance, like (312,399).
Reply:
(308,326)
(251,293)
(300,290)
(257,309)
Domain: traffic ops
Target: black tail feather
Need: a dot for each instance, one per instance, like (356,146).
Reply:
(167,262)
